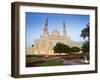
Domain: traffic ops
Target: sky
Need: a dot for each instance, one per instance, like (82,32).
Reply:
(35,23)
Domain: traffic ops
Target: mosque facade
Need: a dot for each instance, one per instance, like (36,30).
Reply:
(45,43)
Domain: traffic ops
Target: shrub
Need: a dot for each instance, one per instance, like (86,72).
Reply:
(74,49)
(61,48)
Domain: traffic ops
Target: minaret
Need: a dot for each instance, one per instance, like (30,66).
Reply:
(46,27)
(64,29)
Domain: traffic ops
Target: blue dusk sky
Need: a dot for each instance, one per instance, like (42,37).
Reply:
(35,23)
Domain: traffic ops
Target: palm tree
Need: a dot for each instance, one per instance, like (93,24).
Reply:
(85,32)
(85,36)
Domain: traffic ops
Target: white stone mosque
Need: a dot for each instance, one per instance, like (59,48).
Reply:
(45,43)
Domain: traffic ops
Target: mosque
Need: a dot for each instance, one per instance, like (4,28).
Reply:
(45,43)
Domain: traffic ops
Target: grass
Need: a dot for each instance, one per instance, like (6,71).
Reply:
(29,56)
(32,57)
(50,62)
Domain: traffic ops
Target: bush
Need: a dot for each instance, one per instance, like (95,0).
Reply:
(61,48)
(74,49)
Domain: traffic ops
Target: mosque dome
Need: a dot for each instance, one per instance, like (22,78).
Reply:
(56,33)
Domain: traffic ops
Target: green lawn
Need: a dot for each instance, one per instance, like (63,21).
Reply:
(51,62)
(31,58)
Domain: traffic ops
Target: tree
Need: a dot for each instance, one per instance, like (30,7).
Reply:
(85,36)
(85,47)
(74,49)
(85,32)
(61,48)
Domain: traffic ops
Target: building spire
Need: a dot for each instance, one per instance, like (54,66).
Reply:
(46,27)
(64,29)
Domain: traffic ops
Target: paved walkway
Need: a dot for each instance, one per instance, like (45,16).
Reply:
(71,62)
